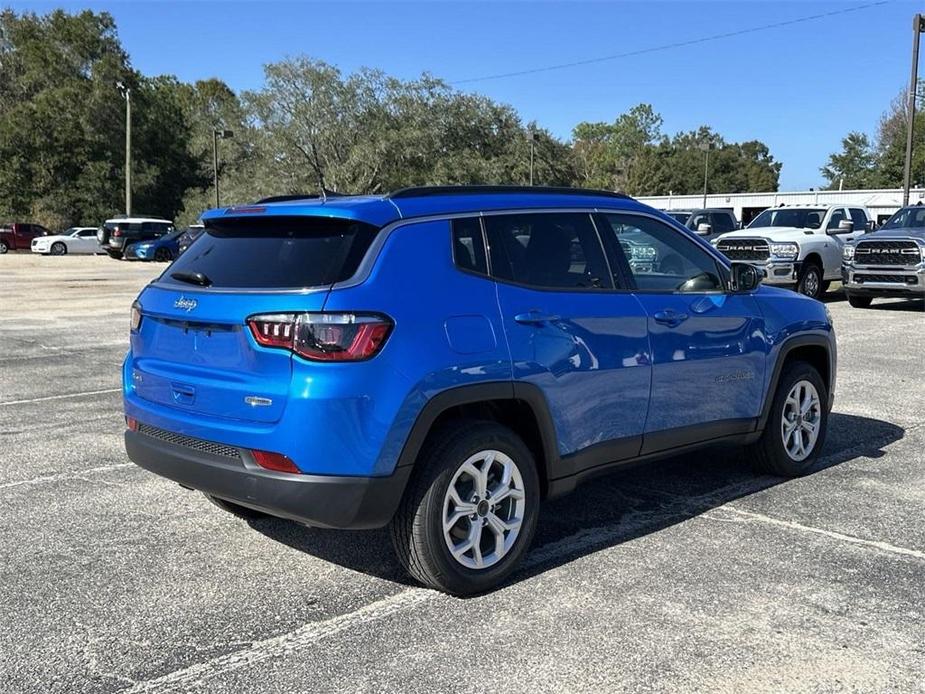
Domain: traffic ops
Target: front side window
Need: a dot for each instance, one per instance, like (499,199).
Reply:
(837,217)
(658,258)
(468,247)
(551,251)
(859,217)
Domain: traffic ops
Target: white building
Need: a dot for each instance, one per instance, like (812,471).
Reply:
(881,203)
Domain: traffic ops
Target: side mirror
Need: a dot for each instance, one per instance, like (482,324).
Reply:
(704,229)
(745,277)
(845,226)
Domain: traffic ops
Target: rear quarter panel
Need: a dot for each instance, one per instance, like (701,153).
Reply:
(447,330)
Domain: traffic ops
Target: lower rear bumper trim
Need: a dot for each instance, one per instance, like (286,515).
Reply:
(318,500)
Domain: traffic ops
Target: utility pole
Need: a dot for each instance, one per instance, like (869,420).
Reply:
(531,136)
(224,134)
(127,95)
(706,147)
(918,26)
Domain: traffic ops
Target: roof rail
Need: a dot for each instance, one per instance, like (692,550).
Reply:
(428,191)
(303,196)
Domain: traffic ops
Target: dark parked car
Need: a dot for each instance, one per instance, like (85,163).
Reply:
(18,236)
(709,223)
(117,234)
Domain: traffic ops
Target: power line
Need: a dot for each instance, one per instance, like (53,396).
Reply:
(669,46)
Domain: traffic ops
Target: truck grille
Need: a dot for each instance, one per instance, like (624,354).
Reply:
(862,278)
(887,253)
(209,447)
(744,249)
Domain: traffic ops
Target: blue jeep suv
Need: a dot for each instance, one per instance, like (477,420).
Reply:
(441,359)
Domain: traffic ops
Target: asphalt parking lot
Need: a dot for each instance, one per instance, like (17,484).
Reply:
(690,574)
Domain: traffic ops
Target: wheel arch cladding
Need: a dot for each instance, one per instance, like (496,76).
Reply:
(520,407)
(816,350)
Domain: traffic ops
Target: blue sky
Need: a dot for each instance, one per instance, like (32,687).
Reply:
(799,88)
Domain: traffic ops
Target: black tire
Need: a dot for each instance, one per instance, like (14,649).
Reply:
(3,247)
(769,453)
(810,282)
(58,248)
(115,255)
(856,301)
(163,255)
(236,509)
(826,286)
(417,528)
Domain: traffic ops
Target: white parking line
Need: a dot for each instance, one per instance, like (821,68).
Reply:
(284,644)
(65,475)
(60,397)
(716,514)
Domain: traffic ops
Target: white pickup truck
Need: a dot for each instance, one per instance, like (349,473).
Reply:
(799,246)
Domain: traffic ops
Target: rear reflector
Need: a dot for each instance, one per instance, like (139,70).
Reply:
(131,423)
(323,336)
(275,461)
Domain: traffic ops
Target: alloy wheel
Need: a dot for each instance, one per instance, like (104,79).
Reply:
(483,509)
(801,420)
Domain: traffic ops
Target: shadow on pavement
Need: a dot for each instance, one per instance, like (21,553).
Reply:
(902,305)
(608,510)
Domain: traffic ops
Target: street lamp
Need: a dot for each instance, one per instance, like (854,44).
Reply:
(706,147)
(224,134)
(127,95)
(918,27)
(531,137)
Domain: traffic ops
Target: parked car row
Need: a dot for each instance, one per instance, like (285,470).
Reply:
(132,238)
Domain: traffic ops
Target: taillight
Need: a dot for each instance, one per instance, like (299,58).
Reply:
(117,232)
(135,317)
(323,336)
(274,461)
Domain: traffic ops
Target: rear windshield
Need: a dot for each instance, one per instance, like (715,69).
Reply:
(275,252)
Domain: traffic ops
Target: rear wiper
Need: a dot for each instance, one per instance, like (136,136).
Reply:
(192,278)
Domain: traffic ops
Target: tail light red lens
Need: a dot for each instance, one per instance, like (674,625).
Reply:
(323,336)
(117,232)
(131,423)
(135,317)
(274,461)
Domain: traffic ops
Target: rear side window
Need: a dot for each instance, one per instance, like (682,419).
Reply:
(468,247)
(276,252)
(553,251)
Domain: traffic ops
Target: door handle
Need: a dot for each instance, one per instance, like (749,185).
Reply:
(670,317)
(534,316)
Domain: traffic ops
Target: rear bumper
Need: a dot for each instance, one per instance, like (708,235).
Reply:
(325,501)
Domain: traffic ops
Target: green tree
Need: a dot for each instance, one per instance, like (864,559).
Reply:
(891,143)
(854,166)
(62,128)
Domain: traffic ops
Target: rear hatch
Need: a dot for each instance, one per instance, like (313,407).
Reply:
(193,349)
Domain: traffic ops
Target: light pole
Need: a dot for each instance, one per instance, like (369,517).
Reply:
(224,134)
(918,26)
(127,95)
(531,136)
(706,147)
